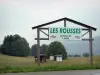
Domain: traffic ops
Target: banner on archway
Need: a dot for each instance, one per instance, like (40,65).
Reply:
(63,33)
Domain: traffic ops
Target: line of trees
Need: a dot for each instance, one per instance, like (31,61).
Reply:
(86,54)
(77,55)
(15,45)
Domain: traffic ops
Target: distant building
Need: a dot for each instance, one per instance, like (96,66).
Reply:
(58,58)
(51,57)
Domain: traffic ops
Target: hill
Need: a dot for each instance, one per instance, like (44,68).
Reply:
(80,47)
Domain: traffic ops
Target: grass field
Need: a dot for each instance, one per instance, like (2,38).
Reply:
(9,61)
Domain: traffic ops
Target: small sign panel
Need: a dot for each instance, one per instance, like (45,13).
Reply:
(63,33)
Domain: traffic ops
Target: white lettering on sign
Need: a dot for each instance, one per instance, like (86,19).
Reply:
(65,33)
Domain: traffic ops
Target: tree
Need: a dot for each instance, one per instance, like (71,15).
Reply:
(34,50)
(56,48)
(0,49)
(77,55)
(14,45)
(86,55)
(43,49)
(70,55)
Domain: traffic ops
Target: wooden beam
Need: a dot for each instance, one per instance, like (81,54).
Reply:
(64,22)
(68,19)
(38,46)
(81,24)
(42,38)
(48,39)
(45,24)
(44,32)
(90,45)
(87,39)
(85,33)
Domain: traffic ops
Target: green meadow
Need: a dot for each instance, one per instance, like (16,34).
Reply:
(27,64)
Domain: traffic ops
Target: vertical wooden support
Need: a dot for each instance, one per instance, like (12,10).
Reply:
(38,46)
(64,22)
(48,33)
(90,45)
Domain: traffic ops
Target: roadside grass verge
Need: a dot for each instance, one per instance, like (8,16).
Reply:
(10,69)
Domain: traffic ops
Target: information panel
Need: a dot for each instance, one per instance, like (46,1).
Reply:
(63,33)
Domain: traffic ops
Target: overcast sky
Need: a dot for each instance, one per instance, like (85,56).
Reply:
(18,16)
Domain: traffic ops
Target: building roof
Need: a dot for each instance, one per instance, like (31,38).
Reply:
(59,55)
(67,19)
